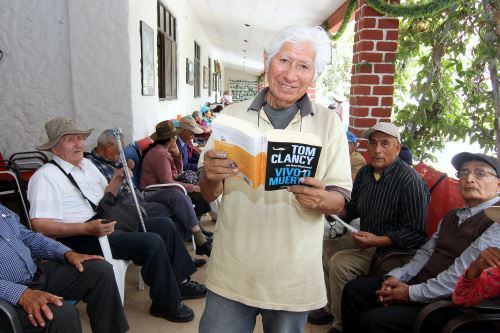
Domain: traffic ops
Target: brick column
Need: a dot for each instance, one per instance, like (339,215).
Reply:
(375,44)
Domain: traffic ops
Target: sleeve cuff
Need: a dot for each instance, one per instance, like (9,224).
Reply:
(11,292)
(345,193)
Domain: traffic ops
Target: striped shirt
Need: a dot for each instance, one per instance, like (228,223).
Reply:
(394,206)
(18,247)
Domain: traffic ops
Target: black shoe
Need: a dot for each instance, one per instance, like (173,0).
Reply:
(319,317)
(192,290)
(204,249)
(180,313)
(206,232)
(199,262)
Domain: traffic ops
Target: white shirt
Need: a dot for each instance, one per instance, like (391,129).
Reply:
(52,195)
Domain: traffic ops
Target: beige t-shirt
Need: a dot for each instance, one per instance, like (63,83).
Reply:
(267,248)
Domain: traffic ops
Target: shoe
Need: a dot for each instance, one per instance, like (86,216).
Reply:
(199,262)
(192,290)
(204,249)
(206,232)
(180,313)
(319,317)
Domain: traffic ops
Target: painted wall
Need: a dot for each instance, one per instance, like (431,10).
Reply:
(35,79)
(81,59)
(232,74)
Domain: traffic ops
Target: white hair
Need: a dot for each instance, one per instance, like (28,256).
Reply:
(304,34)
(106,137)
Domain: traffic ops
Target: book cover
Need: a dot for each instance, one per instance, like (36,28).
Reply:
(275,159)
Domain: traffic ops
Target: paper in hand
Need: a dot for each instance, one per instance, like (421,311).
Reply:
(344,224)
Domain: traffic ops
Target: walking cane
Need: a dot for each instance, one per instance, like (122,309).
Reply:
(116,133)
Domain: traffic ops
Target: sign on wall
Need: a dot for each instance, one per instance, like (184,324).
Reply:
(147,60)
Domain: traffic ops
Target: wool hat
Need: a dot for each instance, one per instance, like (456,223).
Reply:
(387,128)
(188,123)
(165,130)
(204,109)
(57,127)
(461,158)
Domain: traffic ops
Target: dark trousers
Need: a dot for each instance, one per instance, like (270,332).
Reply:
(201,206)
(160,252)
(95,285)
(361,312)
(176,205)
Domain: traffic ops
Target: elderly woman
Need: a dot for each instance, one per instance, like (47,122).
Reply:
(162,164)
(203,137)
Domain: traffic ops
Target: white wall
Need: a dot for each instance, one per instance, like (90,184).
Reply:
(148,110)
(35,79)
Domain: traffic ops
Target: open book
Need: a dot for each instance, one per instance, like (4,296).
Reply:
(275,159)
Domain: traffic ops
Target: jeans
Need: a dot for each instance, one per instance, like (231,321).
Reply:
(224,315)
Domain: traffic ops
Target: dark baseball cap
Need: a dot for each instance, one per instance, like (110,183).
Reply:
(461,158)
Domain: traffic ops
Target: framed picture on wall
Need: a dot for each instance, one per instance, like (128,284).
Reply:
(189,72)
(147,60)
(205,77)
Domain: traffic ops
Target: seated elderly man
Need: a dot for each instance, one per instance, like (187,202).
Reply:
(37,290)
(370,304)
(61,209)
(392,201)
(190,154)
(169,203)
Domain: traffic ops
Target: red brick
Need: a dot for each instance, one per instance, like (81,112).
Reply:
(367,23)
(383,90)
(365,79)
(381,112)
(365,101)
(370,56)
(364,122)
(361,90)
(363,68)
(385,120)
(388,79)
(371,34)
(389,57)
(369,11)
(386,101)
(387,46)
(388,23)
(358,112)
(365,45)
(384,68)
(391,34)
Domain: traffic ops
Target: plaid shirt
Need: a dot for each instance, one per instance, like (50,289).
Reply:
(19,246)
(108,169)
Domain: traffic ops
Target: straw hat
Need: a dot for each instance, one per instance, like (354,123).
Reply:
(188,123)
(165,130)
(57,127)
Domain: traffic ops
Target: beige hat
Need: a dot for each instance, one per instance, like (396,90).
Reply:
(57,127)
(387,128)
(493,213)
(165,130)
(188,123)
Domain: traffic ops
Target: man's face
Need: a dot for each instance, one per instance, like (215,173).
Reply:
(112,151)
(383,150)
(478,189)
(186,135)
(70,148)
(290,74)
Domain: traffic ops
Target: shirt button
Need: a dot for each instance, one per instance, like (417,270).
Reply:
(4,216)
(8,240)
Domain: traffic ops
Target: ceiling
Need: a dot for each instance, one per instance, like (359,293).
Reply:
(241,47)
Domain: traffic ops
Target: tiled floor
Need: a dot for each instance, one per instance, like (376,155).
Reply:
(137,307)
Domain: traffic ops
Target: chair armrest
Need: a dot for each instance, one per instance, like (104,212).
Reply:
(156,187)
(11,314)
(380,257)
(456,322)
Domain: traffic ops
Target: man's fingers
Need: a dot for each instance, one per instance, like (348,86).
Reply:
(38,317)
(32,320)
(46,311)
(214,154)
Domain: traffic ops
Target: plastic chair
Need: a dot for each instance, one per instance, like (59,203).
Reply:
(11,184)
(119,267)
(11,315)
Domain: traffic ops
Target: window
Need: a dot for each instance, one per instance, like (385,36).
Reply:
(167,53)
(196,70)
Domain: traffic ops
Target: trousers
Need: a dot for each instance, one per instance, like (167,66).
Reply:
(95,285)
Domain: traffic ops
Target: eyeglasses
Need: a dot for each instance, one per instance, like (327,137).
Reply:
(478,173)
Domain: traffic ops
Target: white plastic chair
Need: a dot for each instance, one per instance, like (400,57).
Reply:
(119,267)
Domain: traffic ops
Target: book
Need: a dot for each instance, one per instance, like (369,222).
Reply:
(275,159)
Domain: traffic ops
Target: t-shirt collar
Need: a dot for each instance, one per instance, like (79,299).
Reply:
(304,103)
